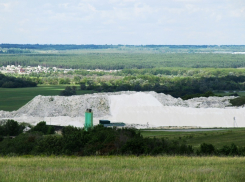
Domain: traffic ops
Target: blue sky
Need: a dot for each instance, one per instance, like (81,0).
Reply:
(123,21)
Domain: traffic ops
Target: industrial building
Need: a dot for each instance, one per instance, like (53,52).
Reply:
(107,123)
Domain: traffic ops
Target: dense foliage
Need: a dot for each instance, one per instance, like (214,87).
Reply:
(97,141)
(207,94)
(175,86)
(43,128)
(10,128)
(232,150)
(103,141)
(240,101)
(68,91)
(12,82)
(92,46)
(124,60)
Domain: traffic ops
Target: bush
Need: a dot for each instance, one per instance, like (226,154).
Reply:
(68,91)
(21,145)
(206,94)
(42,127)
(50,145)
(134,146)
(99,140)
(96,141)
(229,150)
(1,138)
(73,140)
(206,149)
(240,101)
(102,141)
(11,128)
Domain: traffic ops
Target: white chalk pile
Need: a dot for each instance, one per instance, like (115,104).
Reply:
(141,109)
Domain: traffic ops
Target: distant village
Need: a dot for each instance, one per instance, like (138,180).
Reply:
(12,69)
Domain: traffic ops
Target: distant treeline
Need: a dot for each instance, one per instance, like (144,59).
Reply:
(177,86)
(93,46)
(119,61)
(101,141)
(12,82)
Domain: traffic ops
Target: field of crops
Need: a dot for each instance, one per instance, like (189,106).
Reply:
(161,168)
(14,98)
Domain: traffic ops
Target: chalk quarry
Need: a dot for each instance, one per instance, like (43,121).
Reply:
(137,109)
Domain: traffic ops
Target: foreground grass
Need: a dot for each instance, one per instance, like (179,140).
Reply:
(122,169)
(14,98)
(217,138)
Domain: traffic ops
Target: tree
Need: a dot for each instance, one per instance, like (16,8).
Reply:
(77,79)
(68,91)
(82,86)
(12,128)
(42,127)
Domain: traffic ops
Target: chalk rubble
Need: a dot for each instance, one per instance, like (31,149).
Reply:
(139,109)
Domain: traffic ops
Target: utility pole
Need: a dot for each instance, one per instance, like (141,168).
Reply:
(235,123)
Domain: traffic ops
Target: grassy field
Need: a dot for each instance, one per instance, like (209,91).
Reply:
(217,138)
(164,168)
(12,99)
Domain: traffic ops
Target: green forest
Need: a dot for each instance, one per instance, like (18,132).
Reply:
(122,60)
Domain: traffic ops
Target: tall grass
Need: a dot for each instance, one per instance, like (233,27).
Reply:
(162,168)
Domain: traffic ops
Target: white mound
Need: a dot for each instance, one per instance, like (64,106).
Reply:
(140,109)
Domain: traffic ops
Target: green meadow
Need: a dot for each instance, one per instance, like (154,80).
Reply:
(12,99)
(217,138)
(146,168)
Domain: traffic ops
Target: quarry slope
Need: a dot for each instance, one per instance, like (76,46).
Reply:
(141,109)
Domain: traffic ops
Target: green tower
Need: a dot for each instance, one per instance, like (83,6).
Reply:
(88,119)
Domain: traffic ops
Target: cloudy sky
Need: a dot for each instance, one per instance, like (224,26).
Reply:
(122,21)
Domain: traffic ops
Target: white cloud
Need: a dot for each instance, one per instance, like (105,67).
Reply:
(122,21)
(6,7)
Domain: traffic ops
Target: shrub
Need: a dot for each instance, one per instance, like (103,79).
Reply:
(206,94)
(229,150)
(42,127)
(1,138)
(50,145)
(11,128)
(68,91)
(240,101)
(207,149)
(22,144)
(134,146)
(73,140)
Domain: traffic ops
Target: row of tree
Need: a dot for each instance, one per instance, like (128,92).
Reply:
(102,141)
(176,86)
(118,61)
(93,46)
(13,82)
(13,128)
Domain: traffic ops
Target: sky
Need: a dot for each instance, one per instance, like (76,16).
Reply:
(132,22)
